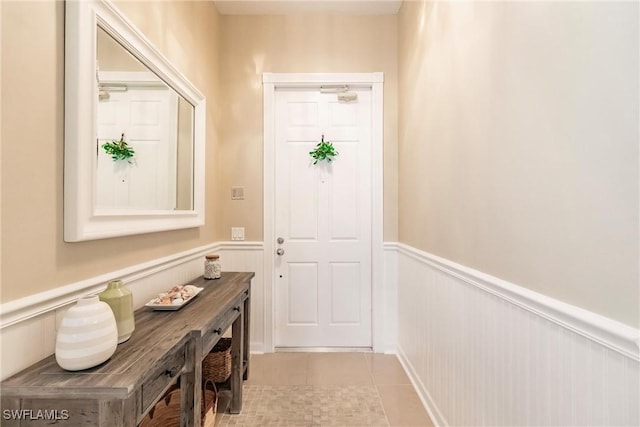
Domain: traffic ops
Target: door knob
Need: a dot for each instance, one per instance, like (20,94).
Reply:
(280,251)
(280,240)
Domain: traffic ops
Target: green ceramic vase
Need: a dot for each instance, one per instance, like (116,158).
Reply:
(120,299)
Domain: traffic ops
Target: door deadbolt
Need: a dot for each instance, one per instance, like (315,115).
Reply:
(280,240)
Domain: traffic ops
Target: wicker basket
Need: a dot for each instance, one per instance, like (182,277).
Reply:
(166,413)
(209,401)
(216,366)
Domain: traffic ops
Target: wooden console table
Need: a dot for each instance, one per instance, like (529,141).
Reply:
(165,346)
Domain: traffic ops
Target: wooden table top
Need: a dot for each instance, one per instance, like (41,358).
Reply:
(156,334)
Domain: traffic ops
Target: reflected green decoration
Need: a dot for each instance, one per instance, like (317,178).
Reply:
(119,150)
(323,151)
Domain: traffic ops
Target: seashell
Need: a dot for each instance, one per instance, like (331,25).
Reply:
(177,301)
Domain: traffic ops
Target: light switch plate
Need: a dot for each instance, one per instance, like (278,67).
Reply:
(237,193)
(237,233)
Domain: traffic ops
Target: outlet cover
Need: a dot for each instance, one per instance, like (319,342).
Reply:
(237,233)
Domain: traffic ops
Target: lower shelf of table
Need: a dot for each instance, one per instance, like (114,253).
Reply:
(224,399)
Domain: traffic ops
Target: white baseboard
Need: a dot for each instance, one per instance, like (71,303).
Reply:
(432,409)
(29,324)
(482,351)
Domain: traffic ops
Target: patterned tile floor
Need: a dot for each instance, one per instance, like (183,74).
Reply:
(308,405)
(327,389)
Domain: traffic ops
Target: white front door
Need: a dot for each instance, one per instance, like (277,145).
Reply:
(323,215)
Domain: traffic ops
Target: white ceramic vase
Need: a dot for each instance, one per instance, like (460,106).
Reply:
(88,335)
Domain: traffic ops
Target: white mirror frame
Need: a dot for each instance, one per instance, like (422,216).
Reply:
(82,221)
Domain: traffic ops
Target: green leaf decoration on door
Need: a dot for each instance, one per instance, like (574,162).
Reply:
(323,151)
(119,150)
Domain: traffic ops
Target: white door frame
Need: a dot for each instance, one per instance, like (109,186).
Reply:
(272,81)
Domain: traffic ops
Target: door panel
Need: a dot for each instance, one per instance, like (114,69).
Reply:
(323,213)
(303,194)
(343,194)
(345,289)
(303,289)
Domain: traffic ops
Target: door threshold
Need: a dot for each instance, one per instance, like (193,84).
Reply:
(323,350)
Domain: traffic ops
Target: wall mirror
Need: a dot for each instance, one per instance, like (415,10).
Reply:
(134,131)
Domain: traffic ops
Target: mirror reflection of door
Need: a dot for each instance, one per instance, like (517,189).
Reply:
(141,113)
(156,122)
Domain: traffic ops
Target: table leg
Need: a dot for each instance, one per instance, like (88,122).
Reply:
(247,330)
(237,344)
(190,386)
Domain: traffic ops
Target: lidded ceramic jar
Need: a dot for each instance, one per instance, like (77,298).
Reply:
(120,299)
(87,336)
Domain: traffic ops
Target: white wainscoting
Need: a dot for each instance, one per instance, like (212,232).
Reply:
(389,303)
(28,325)
(480,351)
(236,256)
(484,352)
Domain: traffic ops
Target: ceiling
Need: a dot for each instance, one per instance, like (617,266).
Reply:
(293,7)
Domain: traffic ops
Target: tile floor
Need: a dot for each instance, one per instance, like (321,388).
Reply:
(327,389)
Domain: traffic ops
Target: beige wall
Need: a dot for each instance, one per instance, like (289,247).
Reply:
(253,45)
(518,144)
(112,56)
(35,257)
(190,35)
(517,132)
